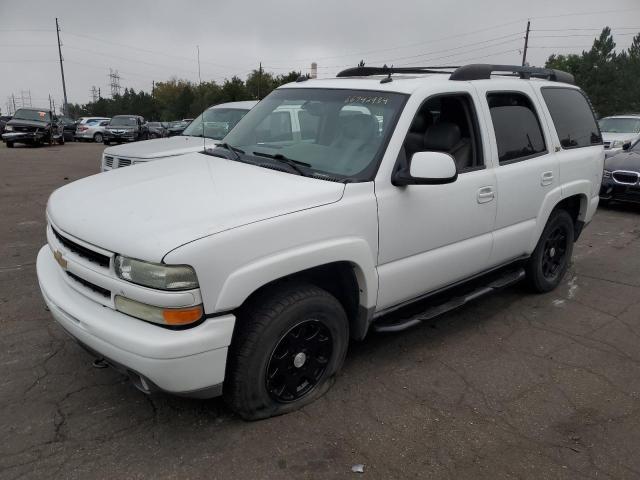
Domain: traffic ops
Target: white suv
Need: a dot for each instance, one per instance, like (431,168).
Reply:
(619,131)
(246,269)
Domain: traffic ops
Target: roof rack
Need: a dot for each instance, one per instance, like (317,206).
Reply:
(384,70)
(481,71)
(478,71)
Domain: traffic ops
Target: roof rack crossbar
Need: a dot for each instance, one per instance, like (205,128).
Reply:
(368,71)
(481,71)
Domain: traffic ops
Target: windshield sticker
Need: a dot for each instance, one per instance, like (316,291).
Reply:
(42,114)
(371,100)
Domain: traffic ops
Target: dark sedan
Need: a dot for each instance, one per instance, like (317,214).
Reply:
(621,177)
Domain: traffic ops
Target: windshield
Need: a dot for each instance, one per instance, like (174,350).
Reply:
(34,115)
(341,133)
(215,123)
(123,122)
(620,125)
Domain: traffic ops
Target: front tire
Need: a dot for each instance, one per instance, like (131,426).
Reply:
(551,258)
(98,138)
(106,142)
(9,144)
(289,343)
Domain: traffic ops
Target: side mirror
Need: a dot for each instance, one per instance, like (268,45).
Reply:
(626,146)
(427,168)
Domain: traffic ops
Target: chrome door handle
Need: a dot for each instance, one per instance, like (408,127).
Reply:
(546,179)
(486,194)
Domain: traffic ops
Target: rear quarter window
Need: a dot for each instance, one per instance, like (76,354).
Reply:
(572,117)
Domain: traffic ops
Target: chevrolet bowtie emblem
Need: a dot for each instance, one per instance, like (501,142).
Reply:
(60,259)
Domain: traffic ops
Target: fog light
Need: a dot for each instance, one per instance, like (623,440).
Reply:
(159,315)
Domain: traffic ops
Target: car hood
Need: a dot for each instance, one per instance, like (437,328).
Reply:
(623,161)
(145,211)
(161,147)
(27,123)
(610,137)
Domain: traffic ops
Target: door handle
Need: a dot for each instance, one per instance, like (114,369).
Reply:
(485,194)
(546,179)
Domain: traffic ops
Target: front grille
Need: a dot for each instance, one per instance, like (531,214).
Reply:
(91,286)
(81,251)
(108,161)
(25,129)
(628,178)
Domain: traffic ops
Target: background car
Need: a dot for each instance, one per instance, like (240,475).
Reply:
(176,128)
(621,176)
(125,128)
(93,130)
(3,121)
(618,131)
(157,129)
(33,126)
(204,132)
(69,128)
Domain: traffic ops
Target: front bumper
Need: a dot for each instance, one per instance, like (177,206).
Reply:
(611,190)
(188,362)
(22,136)
(125,137)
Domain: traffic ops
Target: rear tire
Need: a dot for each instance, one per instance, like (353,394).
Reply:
(288,344)
(98,138)
(552,256)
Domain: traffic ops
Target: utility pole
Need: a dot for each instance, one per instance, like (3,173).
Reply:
(259,81)
(51,105)
(99,95)
(526,44)
(64,86)
(13,99)
(153,88)
(199,77)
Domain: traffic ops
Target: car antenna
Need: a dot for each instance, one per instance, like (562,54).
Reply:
(390,70)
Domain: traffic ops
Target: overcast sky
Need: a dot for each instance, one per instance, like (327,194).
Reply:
(145,40)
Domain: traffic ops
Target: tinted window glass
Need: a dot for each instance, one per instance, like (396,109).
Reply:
(572,117)
(517,127)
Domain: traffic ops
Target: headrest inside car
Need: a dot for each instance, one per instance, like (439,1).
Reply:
(442,137)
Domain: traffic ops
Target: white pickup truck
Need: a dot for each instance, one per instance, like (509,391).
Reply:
(245,270)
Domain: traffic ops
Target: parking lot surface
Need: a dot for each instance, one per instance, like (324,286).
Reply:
(514,385)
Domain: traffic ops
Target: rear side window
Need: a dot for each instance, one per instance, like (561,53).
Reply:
(573,117)
(515,121)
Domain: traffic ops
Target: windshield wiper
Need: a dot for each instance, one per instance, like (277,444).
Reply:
(294,164)
(232,149)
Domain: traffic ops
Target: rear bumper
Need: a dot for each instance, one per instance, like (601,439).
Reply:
(187,362)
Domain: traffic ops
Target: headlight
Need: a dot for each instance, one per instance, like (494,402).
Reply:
(8,128)
(159,315)
(606,174)
(618,143)
(156,275)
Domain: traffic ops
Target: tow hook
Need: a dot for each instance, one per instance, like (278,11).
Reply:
(99,363)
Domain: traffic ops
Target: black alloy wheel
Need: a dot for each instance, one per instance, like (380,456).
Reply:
(298,361)
(550,259)
(555,251)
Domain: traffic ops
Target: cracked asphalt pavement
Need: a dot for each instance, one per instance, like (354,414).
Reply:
(514,385)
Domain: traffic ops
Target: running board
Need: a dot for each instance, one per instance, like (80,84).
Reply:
(397,325)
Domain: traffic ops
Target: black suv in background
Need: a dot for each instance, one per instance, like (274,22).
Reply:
(3,121)
(33,126)
(126,128)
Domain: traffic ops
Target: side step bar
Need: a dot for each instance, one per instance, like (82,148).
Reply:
(397,325)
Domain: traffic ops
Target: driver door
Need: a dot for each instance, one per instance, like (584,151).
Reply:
(432,236)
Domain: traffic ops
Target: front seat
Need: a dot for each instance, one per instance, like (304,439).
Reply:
(356,139)
(445,137)
(415,138)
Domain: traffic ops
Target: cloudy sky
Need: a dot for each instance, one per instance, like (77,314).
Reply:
(146,40)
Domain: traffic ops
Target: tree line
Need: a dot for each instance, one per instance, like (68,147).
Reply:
(175,99)
(610,78)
